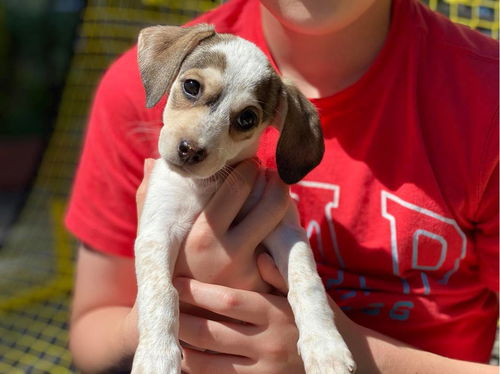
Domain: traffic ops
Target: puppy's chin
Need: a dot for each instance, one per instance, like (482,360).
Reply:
(198,171)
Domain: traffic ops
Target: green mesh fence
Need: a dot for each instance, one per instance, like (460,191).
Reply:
(36,263)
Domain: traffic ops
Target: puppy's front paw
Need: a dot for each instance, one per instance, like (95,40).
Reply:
(326,355)
(152,360)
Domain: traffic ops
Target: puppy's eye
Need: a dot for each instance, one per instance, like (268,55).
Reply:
(247,119)
(191,87)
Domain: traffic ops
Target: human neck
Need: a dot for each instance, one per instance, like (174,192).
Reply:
(324,64)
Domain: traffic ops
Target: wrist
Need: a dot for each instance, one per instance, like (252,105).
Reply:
(363,343)
(374,352)
(360,344)
(378,353)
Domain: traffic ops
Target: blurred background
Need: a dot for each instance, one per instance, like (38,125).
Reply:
(52,54)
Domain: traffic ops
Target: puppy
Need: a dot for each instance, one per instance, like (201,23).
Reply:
(222,93)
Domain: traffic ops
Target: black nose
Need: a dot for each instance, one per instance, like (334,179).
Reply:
(190,153)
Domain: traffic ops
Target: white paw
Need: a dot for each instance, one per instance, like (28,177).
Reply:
(152,360)
(326,355)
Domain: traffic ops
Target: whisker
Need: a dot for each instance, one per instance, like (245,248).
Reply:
(256,161)
(234,177)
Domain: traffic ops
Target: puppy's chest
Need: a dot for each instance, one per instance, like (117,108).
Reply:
(175,201)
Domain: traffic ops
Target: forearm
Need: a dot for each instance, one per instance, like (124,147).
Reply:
(377,353)
(103,340)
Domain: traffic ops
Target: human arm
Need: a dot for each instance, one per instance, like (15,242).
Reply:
(267,336)
(102,336)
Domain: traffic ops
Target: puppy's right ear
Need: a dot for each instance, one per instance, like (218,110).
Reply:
(161,51)
(300,145)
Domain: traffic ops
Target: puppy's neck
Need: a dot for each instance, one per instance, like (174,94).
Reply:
(200,186)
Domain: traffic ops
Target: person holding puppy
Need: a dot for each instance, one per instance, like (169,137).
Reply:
(402,213)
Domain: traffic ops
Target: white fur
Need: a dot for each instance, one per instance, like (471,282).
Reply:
(172,202)
(168,213)
(242,73)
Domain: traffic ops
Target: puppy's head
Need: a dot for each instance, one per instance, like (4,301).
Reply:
(222,94)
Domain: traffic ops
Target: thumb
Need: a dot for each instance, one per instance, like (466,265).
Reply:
(270,273)
(143,187)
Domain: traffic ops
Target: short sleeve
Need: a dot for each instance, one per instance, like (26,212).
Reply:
(120,134)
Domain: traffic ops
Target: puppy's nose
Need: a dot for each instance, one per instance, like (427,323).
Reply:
(190,153)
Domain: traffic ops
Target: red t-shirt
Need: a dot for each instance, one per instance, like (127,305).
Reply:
(403,210)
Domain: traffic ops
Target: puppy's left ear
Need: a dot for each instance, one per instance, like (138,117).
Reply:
(161,51)
(300,146)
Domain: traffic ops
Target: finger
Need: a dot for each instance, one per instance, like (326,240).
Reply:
(266,215)
(195,362)
(143,187)
(229,198)
(241,305)
(224,337)
(270,273)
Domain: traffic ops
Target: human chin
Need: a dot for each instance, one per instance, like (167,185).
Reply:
(316,16)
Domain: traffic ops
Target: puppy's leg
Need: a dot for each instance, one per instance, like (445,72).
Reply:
(320,345)
(158,311)
(161,232)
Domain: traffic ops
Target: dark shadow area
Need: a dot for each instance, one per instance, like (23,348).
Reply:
(36,45)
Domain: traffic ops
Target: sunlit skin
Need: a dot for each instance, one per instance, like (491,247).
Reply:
(340,39)
(317,17)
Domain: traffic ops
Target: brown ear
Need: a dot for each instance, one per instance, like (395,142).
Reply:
(300,146)
(161,51)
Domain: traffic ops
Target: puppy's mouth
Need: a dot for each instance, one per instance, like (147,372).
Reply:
(195,171)
(179,168)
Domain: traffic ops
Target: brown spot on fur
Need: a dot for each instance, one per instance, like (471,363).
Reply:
(238,135)
(185,122)
(211,83)
(267,93)
(161,51)
(203,58)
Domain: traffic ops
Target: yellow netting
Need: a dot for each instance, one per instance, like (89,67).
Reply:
(36,261)
(477,14)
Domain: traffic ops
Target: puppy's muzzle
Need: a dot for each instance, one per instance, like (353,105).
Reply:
(190,153)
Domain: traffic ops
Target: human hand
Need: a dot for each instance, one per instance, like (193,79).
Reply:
(219,250)
(216,248)
(140,194)
(261,337)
